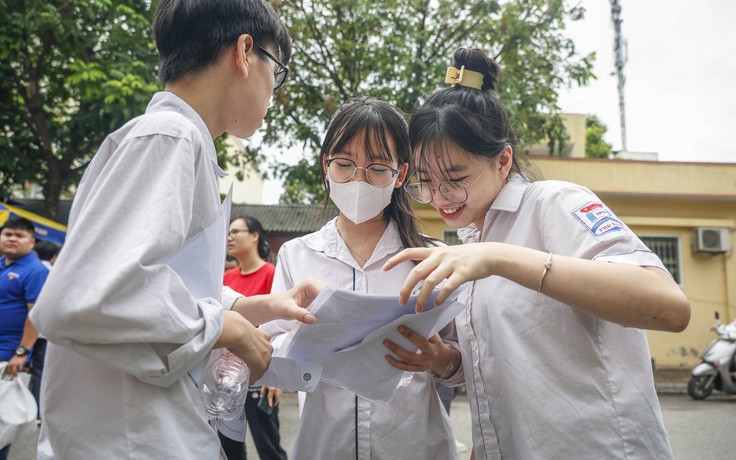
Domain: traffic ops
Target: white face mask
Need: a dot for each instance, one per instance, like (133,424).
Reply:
(360,201)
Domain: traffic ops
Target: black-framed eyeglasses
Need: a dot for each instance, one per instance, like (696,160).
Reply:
(279,76)
(343,170)
(453,191)
(235,231)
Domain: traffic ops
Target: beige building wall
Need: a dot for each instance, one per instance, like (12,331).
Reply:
(246,191)
(662,199)
(575,145)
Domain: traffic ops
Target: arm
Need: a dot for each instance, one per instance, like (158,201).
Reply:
(17,363)
(630,295)
(32,284)
(110,298)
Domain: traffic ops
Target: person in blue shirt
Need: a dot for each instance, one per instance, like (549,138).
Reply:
(21,278)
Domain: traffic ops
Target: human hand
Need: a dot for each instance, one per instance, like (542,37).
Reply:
(273,394)
(246,342)
(455,264)
(15,364)
(432,354)
(292,304)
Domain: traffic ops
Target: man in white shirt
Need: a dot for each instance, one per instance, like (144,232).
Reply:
(127,333)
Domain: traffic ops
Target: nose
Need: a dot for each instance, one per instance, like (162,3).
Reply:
(364,171)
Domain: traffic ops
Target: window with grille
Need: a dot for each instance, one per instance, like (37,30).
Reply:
(668,250)
(450,237)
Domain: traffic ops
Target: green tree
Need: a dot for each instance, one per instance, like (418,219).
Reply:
(399,49)
(595,146)
(73,71)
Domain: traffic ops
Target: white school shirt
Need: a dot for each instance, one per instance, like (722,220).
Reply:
(124,331)
(414,425)
(544,380)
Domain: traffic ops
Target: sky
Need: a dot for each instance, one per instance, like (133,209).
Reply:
(680,91)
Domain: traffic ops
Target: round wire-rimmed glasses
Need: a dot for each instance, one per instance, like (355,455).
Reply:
(453,191)
(343,170)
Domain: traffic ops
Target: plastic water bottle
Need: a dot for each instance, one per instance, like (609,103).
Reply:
(406,379)
(225,385)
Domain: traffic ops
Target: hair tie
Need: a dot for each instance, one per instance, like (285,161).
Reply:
(464,77)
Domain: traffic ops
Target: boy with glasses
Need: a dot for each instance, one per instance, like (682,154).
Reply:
(127,323)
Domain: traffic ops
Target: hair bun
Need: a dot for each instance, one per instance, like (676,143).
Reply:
(475,59)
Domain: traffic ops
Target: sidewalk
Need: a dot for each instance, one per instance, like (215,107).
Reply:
(671,381)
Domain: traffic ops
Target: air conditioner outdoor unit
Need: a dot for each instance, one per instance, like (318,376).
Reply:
(713,240)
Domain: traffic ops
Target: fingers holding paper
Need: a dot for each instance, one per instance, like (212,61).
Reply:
(433,353)
(291,304)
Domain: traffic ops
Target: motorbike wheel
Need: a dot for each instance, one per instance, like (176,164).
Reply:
(698,387)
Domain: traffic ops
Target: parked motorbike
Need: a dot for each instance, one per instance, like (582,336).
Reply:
(718,368)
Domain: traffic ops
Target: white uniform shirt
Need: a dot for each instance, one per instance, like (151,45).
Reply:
(544,380)
(124,331)
(414,425)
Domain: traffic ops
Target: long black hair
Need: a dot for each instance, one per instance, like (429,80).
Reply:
(376,121)
(474,120)
(254,226)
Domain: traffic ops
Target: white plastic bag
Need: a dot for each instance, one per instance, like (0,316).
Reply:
(17,404)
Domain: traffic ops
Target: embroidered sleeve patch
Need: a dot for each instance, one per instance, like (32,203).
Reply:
(598,219)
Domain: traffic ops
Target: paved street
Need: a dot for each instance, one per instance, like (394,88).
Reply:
(698,429)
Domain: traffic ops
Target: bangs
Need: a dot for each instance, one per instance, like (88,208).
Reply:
(369,128)
(433,158)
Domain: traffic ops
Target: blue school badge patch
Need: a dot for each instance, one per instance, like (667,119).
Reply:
(598,219)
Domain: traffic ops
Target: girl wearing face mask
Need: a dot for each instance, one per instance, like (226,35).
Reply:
(554,356)
(365,157)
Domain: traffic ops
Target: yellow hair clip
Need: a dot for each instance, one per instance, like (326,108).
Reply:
(464,77)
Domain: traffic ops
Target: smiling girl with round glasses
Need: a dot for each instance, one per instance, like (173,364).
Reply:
(555,360)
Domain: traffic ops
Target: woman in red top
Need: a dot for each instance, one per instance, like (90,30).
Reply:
(253,276)
(246,243)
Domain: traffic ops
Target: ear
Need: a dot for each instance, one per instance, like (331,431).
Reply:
(505,160)
(243,54)
(401,177)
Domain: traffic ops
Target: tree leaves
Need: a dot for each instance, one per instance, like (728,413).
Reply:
(75,70)
(595,146)
(78,69)
(398,50)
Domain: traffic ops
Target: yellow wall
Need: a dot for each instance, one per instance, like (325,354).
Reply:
(662,199)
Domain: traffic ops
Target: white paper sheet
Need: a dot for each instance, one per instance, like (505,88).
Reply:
(346,341)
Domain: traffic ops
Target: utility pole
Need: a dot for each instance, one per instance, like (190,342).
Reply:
(619,49)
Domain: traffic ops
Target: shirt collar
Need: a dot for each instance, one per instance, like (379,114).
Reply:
(328,240)
(22,261)
(167,101)
(508,199)
(510,195)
